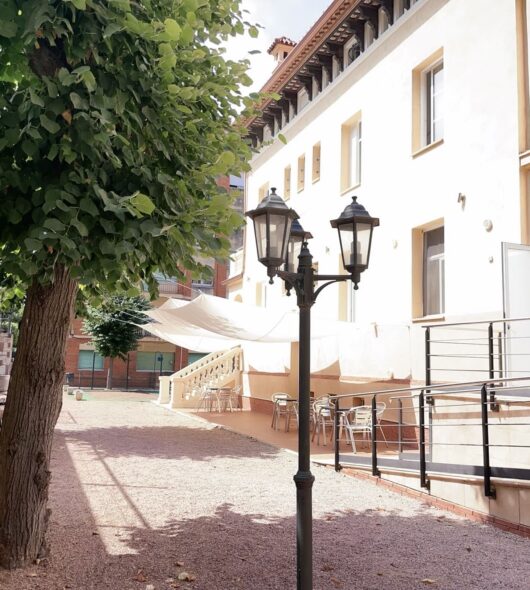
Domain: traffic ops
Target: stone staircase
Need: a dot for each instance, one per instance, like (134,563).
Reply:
(218,369)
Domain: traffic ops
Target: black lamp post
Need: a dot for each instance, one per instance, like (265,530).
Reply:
(278,237)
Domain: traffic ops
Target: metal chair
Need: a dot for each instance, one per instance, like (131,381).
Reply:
(358,419)
(322,417)
(282,406)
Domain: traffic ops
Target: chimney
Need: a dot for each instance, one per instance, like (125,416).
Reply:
(281,47)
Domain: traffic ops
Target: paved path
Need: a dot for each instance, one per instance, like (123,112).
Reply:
(140,495)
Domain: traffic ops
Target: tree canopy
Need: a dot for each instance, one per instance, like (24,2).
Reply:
(116,117)
(112,325)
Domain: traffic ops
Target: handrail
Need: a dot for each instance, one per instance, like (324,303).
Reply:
(469,323)
(431,387)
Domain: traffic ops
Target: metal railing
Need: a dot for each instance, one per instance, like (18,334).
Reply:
(475,429)
(482,349)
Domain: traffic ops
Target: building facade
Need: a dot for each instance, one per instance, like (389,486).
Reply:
(412,108)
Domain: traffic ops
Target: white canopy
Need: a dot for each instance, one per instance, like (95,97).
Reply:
(209,324)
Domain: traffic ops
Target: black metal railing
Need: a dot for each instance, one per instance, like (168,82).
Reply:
(450,429)
(487,349)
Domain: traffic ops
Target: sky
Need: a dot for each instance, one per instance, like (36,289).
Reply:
(289,18)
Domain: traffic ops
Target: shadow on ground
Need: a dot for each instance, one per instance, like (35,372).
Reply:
(168,442)
(229,550)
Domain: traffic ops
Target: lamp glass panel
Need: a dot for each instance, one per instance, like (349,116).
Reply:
(294,248)
(260,229)
(280,226)
(364,231)
(346,231)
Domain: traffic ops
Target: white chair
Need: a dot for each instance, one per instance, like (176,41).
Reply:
(283,406)
(359,419)
(322,417)
(208,399)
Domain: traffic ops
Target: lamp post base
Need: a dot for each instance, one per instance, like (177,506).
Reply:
(304,529)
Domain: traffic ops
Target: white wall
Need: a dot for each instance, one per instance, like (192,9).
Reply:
(479,157)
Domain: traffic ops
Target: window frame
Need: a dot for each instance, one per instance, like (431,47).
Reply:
(316,163)
(422,106)
(348,182)
(156,365)
(300,179)
(287,182)
(419,313)
(96,367)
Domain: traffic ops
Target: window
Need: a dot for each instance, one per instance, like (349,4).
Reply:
(287,182)
(433,113)
(155,361)
(316,162)
(351,153)
(301,174)
(428,270)
(263,191)
(88,359)
(427,102)
(433,272)
(261,294)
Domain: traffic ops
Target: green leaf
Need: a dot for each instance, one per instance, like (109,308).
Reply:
(35,98)
(8,29)
(89,81)
(79,4)
(49,125)
(32,244)
(253,32)
(30,148)
(173,29)
(143,203)
(110,29)
(87,205)
(78,102)
(54,224)
(81,227)
(54,150)
(282,138)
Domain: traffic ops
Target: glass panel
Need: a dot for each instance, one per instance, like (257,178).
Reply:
(355,155)
(433,272)
(280,226)
(346,238)
(260,228)
(364,231)
(86,358)
(293,252)
(150,361)
(437,102)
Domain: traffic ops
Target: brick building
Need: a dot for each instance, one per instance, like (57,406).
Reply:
(153,357)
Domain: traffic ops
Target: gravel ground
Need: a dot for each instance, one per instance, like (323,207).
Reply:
(141,495)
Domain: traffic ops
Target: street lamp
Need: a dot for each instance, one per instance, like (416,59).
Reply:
(278,237)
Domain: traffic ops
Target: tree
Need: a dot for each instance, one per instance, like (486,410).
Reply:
(113,327)
(115,119)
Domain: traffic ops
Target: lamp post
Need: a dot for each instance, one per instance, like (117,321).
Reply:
(279,237)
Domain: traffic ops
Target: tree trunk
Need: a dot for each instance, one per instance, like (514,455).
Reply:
(33,404)
(110,372)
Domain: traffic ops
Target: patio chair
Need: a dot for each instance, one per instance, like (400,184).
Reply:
(208,399)
(358,419)
(322,417)
(283,406)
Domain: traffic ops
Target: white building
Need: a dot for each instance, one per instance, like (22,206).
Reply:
(421,110)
